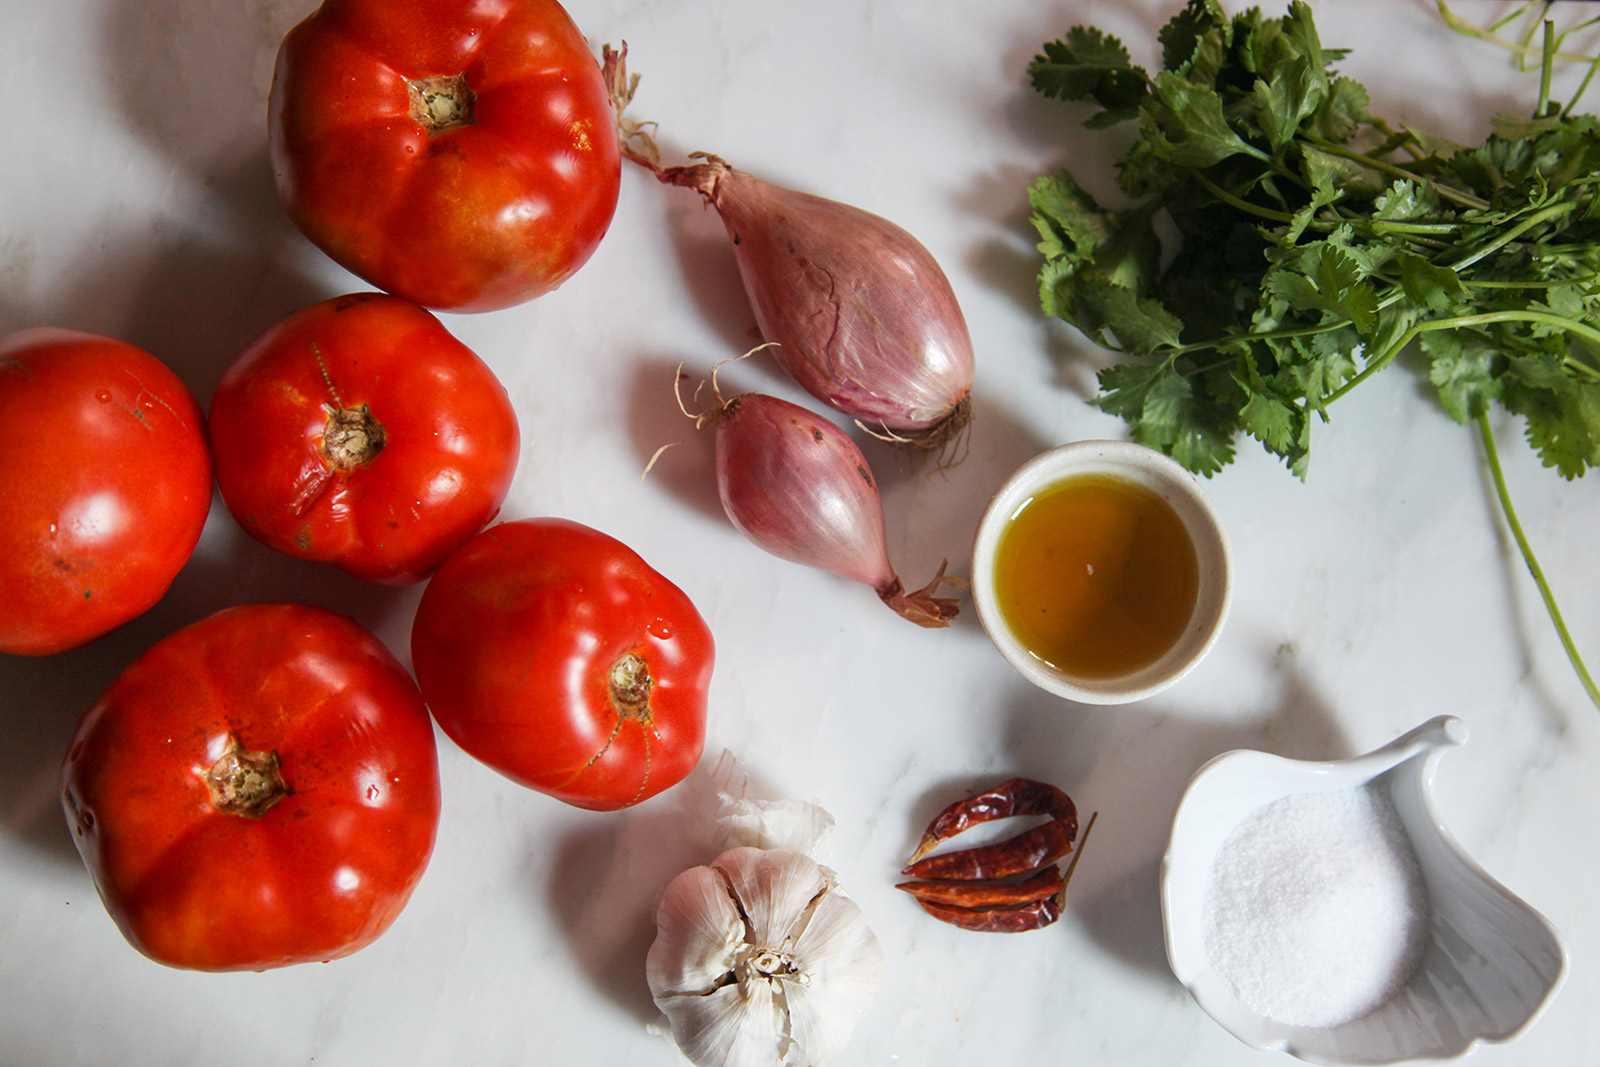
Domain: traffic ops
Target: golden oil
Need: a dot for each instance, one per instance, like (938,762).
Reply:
(1096,576)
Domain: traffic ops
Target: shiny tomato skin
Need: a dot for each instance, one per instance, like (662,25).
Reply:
(514,643)
(470,218)
(319,874)
(105,485)
(449,450)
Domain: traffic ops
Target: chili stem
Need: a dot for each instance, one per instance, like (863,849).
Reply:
(1493,456)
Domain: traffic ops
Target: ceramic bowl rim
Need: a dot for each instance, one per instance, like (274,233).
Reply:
(1175,484)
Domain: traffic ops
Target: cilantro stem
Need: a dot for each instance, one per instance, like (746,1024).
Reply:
(1384,358)
(1288,334)
(1523,50)
(1493,455)
(1465,199)
(1530,283)
(1505,237)
(1546,66)
(1240,202)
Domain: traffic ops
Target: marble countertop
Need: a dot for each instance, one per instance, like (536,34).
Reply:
(1381,592)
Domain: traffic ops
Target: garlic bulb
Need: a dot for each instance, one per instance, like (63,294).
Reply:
(760,961)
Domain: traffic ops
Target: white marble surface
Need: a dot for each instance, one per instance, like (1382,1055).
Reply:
(1382,592)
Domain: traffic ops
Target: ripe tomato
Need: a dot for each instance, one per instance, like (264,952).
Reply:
(459,153)
(359,432)
(104,486)
(258,789)
(556,655)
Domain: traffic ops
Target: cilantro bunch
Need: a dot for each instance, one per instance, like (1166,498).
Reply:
(1317,242)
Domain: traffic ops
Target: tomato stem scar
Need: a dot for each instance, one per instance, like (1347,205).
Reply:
(630,685)
(246,783)
(352,437)
(442,102)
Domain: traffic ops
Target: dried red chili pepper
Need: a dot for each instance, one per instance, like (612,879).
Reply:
(1027,851)
(979,888)
(1032,916)
(1045,883)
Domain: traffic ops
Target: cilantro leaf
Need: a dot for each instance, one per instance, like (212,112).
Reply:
(1141,324)
(1181,38)
(1563,425)
(1284,102)
(1186,125)
(1462,372)
(1427,283)
(1329,280)
(1089,64)
(1270,421)
(1342,113)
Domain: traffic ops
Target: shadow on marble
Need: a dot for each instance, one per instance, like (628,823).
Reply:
(204,297)
(703,257)
(193,79)
(1131,764)
(686,469)
(604,878)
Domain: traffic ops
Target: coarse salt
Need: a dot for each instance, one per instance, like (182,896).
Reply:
(1316,912)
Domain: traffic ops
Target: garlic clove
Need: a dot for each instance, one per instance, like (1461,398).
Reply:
(844,964)
(737,1026)
(775,888)
(698,930)
(759,961)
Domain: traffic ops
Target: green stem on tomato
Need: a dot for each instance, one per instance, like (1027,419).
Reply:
(1493,456)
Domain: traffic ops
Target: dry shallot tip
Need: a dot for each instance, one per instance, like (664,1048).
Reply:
(948,440)
(634,139)
(923,607)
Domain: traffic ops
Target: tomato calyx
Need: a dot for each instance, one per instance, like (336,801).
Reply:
(246,783)
(352,437)
(629,683)
(442,102)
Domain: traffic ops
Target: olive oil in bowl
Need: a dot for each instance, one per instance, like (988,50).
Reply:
(1101,571)
(1096,575)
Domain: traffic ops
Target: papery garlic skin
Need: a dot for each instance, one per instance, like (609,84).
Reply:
(760,961)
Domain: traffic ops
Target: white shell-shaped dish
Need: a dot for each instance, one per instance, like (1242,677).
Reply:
(1492,962)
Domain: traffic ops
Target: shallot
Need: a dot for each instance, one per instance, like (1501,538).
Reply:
(797,485)
(863,317)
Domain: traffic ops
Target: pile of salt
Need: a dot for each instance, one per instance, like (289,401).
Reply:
(1316,912)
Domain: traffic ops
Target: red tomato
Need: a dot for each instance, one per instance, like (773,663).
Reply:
(359,432)
(258,789)
(104,486)
(556,655)
(459,153)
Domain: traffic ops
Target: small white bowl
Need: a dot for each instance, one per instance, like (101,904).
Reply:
(1180,489)
(1491,965)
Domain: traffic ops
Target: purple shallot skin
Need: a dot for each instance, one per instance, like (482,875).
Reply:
(862,315)
(798,486)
